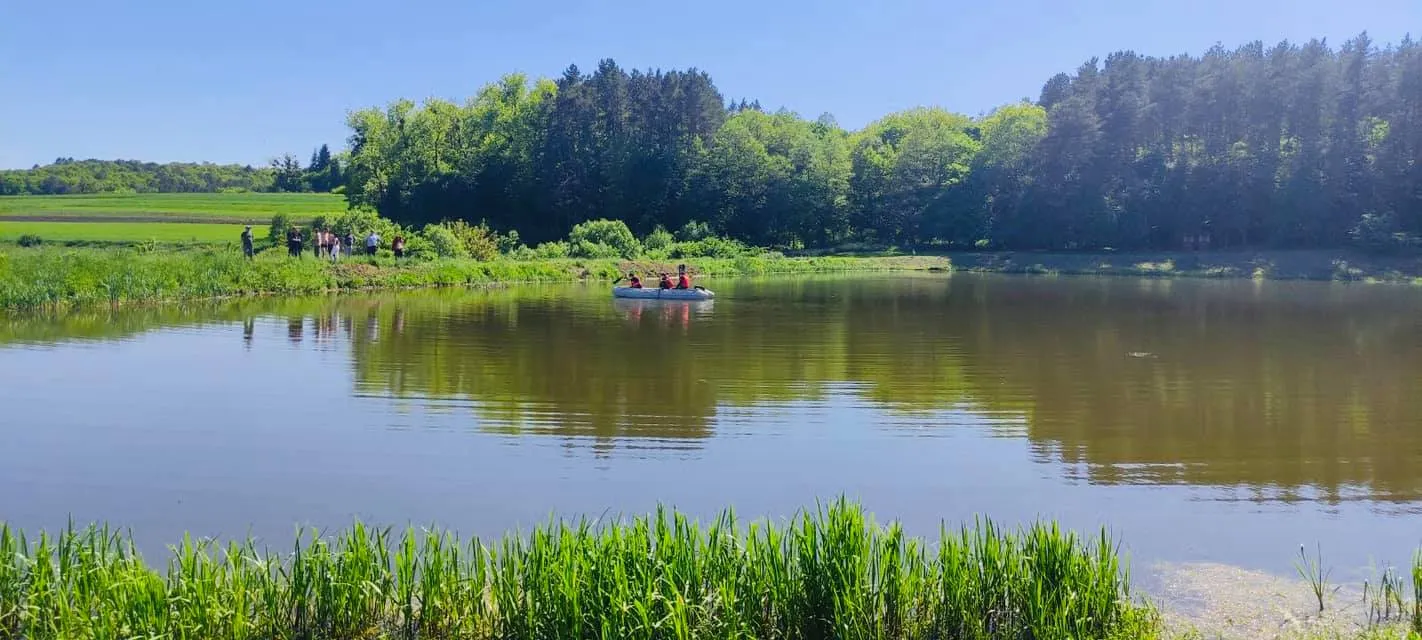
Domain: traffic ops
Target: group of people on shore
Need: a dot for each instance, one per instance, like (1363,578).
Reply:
(325,243)
(683,280)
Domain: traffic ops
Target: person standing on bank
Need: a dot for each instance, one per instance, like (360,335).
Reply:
(371,242)
(247,249)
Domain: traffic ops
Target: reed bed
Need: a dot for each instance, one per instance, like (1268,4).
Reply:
(827,573)
(52,278)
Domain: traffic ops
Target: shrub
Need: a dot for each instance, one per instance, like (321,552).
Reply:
(611,233)
(480,243)
(709,247)
(281,223)
(419,246)
(361,221)
(31,240)
(1380,233)
(444,241)
(693,231)
(509,242)
(552,250)
(658,239)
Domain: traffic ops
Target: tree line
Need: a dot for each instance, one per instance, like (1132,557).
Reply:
(70,176)
(1291,145)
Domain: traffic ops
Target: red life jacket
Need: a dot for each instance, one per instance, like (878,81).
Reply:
(683,282)
(636,282)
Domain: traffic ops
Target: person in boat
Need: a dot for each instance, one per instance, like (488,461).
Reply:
(683,279)
(633,281)
(666,282)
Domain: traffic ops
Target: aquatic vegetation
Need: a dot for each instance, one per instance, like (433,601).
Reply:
(830,573)
(1312,571)
(54,277)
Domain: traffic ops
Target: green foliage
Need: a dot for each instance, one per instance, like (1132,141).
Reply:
(67,176)
(709,247)
(1381,233)
(604,239)
(553,250)
(280,225)
(658,240)
(509,242)
(694,230)
(1294,145)
(52,277)
(1284,146)
(445,242)
(829,573)
(70,176)
(30,240)
(479,242)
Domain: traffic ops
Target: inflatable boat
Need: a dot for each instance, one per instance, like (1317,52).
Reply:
(663,294)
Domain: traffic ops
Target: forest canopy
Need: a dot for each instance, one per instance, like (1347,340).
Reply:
(1289,145)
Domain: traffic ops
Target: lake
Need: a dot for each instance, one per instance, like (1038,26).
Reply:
(1220,421)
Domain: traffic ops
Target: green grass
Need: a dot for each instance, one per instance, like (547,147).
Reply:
(126,232)
(831,573)
(224,207)
(54,277)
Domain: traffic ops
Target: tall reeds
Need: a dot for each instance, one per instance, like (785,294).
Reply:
(69,277)
(830,573)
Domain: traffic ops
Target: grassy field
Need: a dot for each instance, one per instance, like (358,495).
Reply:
(255,208)
(126,232)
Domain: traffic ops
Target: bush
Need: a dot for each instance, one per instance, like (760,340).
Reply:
(658,239)
(276,233)
(614,234)
(585,249)
(480,243)
(709,247)
(444,241)
(418,246)
(693,231)
(509,242)
(552,250)
(1380,233)
(360,222)
(31,240)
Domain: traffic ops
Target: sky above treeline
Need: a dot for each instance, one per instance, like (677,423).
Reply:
(175,80)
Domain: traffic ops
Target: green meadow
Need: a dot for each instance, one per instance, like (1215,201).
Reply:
(125,232)
(255,208)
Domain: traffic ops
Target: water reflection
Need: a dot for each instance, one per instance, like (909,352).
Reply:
(1283,391)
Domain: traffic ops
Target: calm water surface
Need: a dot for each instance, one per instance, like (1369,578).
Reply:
(1198,420)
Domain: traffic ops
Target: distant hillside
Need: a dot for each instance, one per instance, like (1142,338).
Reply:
(67,176)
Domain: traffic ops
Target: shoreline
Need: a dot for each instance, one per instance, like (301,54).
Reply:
(48,279)
(57,279)
(1333,265)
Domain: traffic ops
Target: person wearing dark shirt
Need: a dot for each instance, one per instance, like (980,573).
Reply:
(247,249)
(293,242)
(633,281)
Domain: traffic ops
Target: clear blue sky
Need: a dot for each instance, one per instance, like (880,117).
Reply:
(190,80)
